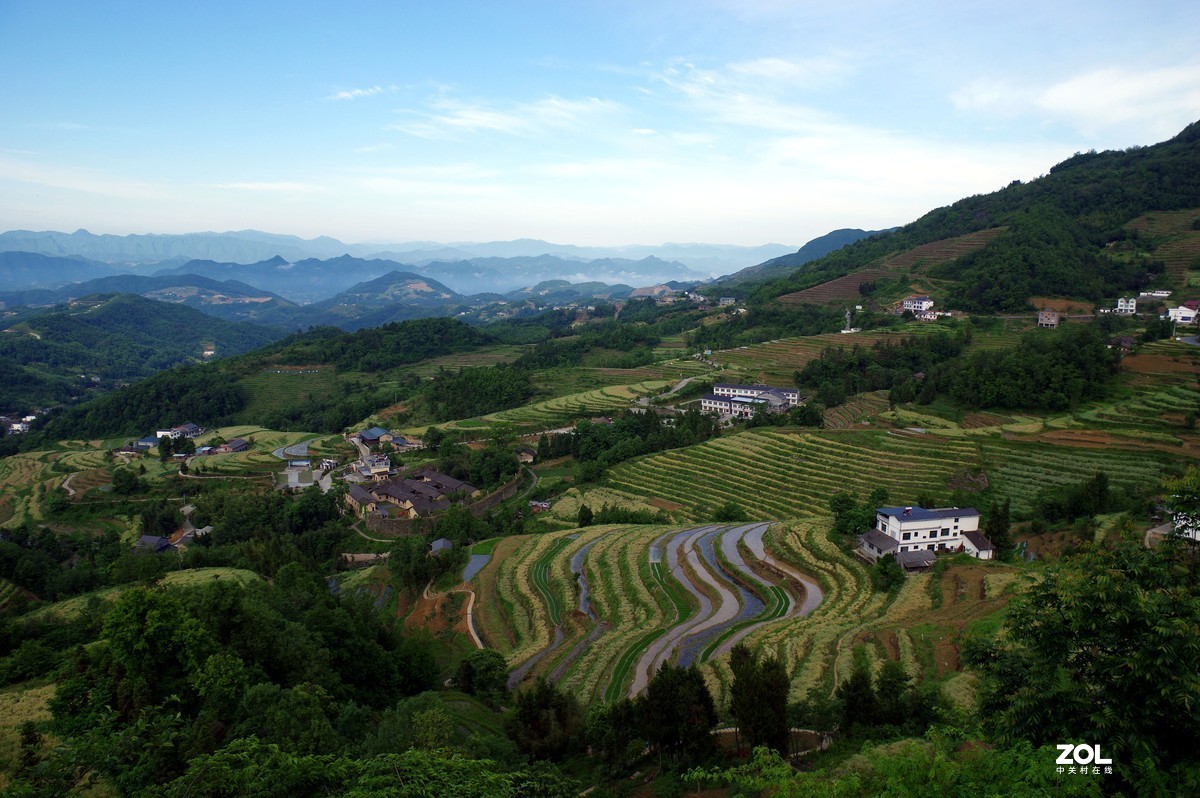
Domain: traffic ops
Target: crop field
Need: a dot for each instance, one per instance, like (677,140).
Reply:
(1178,244)
(492,356)
(650,594)
(18,704)
(1017,471)
(580,405)
(196,577)
(863,407)
(842,289)
(787,474)
(943,251)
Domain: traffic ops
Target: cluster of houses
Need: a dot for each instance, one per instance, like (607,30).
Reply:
(743,401)
(921,307)
(15,425)
(415,496)
(188,430)
(915,535)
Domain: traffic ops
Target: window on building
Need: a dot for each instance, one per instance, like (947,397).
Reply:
(906,536)
(945,533)
(930,546)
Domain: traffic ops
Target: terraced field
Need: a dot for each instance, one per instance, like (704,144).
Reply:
(943,251)
(854,411)
(784,474)
(651,594)
(563,409)
(842,289)
(1018,470)
(1179,244)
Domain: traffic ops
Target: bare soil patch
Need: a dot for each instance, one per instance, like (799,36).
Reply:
(1065,306)
(663,504)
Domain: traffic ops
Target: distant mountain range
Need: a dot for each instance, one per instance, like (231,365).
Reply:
(146,253)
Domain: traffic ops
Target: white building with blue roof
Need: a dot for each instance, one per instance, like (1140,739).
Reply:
(900,531)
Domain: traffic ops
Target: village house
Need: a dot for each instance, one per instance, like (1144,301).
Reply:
(914,535)
(917,304)
(526,455)
(1155,294)
(1047,318)
(234,445)
(726,301)
(1182,314)
(416,496)
(1127,305)
(440,545)
(375,436)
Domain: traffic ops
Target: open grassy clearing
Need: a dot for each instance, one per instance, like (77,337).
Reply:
(19,704)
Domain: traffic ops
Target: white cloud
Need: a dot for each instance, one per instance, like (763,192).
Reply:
(282,186)
(355,94)
(1154,102)
(89,181)
(448,115)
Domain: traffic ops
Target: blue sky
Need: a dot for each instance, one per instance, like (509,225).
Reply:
(576,122)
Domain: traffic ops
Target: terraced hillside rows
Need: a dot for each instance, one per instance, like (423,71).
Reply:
(843,289)
(944,251)
(687,595)
(784,475)
(562,409)
(646,595)
(1178,244)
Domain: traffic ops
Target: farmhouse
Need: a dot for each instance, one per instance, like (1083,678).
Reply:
(234,445)
(726,301)
(375,435)
(417,496)
(1127,305)
(1047,318)
(900,531)
(1182,314)
(917,304)
(440,545)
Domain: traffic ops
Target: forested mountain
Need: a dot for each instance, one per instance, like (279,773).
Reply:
(230,300)
(1062,228)
(20,271)
(101,339)
(786,264)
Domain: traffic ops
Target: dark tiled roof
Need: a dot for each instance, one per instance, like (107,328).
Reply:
(884,543)
(916,559)
(360,496)
(978,540)
(921,514)
(373,434)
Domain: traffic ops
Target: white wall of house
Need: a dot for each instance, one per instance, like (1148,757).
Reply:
(928,534)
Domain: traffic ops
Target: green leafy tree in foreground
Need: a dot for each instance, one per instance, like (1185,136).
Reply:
(1105,649)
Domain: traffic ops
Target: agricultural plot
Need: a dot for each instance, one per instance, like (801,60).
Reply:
(785,475)
(282,386)
(653,594)
(1018,470)
(580,405)
(944,251)
(842,289)
(1178,245)
(492,356)
(856,410)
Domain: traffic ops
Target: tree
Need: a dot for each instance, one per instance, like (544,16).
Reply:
(758,699)
(997,528)
(585,516)
(546,722)
(483,673)
(887,574)
(677,713)
(860,705)
(124,482)
(1105,649)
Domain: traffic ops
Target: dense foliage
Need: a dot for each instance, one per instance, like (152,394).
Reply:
(380,348)
(1105,648)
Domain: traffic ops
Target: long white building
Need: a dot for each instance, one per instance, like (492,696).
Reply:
(741,401)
